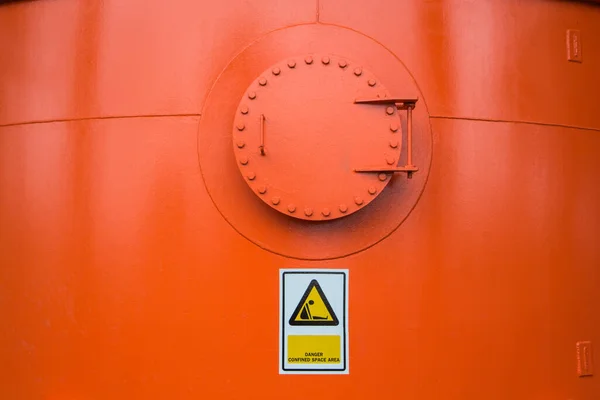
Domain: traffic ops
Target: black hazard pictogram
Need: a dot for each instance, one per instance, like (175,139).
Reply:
(314,308)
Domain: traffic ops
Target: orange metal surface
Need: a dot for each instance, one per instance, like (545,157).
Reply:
(136,262)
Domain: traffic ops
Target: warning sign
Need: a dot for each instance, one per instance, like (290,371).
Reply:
(313,309)
(313,321)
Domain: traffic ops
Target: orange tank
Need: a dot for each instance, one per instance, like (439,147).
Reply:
(300,200)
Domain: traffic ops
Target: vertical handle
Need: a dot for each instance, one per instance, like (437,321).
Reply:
(262,135)
(409,164)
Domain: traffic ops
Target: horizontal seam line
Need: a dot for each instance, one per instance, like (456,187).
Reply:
(198,115)
(517,122)
(49,121)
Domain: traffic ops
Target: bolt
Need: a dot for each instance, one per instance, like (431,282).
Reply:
(382,177)
(240,144)
(308,60)
(343,208)
(275,200)
(262,189)
(325,60)
(326,212)
(358,71)
(394,127)
(240,126)
(262,81)
(276,71)
(372,190)
(292,64)
(291,208)
(389,110)
(342,63)
(358,200)
(372,82)
(390,160)
(244,109)
(393,143)
(308,211)
(243,160)
(252,95)
(251,176)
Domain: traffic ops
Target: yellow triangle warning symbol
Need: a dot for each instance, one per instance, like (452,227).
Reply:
(314,309)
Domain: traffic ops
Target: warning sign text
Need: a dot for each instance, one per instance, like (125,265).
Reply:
(314,349)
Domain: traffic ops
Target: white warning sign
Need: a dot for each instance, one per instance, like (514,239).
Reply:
(313,321)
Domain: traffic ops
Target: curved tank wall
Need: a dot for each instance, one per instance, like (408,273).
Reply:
(121,277)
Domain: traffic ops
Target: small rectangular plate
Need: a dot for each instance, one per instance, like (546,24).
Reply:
(584,359)
(574,45)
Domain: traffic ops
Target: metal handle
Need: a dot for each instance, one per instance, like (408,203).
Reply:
(400,104)
(262,135)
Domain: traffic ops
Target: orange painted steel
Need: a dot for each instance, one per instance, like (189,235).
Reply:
(137,261)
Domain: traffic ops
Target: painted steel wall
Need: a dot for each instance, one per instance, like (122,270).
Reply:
(119,278)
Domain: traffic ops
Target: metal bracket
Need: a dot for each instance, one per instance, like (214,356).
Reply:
(400,104)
